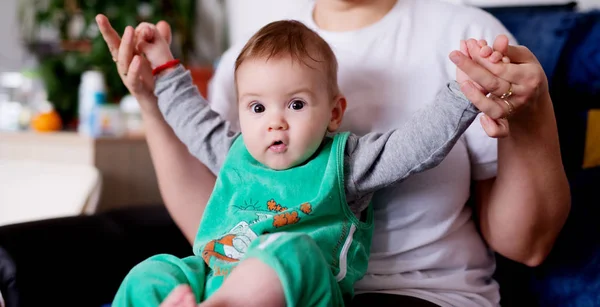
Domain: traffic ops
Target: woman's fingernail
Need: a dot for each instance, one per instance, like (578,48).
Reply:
(135,61)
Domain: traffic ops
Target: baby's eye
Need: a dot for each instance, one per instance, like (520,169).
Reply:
(297,104)
(257,108)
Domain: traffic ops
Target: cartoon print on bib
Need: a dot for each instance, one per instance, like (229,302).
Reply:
(233,245)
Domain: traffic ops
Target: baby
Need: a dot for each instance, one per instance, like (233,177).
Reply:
(289,221)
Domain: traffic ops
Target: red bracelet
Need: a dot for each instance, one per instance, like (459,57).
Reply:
(169,64)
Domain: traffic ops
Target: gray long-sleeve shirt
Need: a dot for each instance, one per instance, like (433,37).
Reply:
(372,162)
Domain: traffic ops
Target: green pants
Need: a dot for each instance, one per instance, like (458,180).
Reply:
(305,275)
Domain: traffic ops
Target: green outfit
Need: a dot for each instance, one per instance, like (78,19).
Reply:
(255,211)
(302,222)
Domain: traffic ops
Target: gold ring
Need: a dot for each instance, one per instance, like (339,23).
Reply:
(511,108)
(507,94)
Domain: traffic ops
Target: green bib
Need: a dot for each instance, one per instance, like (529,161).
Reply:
(250,200)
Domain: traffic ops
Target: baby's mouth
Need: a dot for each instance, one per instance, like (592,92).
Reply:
(278,147)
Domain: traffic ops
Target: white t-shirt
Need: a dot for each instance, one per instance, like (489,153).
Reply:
(425,242)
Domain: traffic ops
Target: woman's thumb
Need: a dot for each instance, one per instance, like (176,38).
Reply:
(164,30)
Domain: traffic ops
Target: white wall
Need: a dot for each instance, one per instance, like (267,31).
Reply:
(12,53)
(589,4)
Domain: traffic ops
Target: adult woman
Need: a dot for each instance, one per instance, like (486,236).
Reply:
(426,246)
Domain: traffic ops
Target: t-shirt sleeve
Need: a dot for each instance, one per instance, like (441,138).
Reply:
(204,132)
(378,160)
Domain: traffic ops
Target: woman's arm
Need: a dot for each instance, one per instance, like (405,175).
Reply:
(523,209)
(185,183)
(204,132)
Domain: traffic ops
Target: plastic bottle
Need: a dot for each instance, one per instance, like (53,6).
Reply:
(92,91)
(132,115)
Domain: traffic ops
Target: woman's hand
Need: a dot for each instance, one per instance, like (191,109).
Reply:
(135,71)
(530,190)
(515,89)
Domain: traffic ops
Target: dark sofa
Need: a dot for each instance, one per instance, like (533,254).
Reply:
(81,261)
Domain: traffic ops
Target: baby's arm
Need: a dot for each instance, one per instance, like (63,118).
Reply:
(378,160)
(207,136)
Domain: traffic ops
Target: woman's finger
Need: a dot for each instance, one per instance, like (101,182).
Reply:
(495,128)
(110,36)
(147,79)
(520,54)
(126,50)
(479,74)
(501,44)
(485,104)
(139,78)
(133,76)
(165,30)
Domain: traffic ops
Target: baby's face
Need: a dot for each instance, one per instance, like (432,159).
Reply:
(285,110)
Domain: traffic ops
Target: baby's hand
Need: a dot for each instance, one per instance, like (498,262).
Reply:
(496,128)
(494,56)
(150,43)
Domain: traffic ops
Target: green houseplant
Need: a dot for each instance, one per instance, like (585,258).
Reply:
(76,45)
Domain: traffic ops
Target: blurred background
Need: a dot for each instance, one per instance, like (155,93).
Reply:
(64,111)
(72,139)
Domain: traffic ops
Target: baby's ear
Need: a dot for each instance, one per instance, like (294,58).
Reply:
(337,113)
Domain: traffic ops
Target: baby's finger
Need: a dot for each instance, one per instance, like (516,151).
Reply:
(496,57)
(145,31)
(463,48)
(482,43)
(148,34)
(486,51)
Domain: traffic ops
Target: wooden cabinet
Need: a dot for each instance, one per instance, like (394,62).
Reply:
(128,177)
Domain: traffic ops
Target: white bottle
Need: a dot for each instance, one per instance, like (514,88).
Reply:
(91,90)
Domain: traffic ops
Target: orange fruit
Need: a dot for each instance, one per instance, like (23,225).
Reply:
(46,122)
